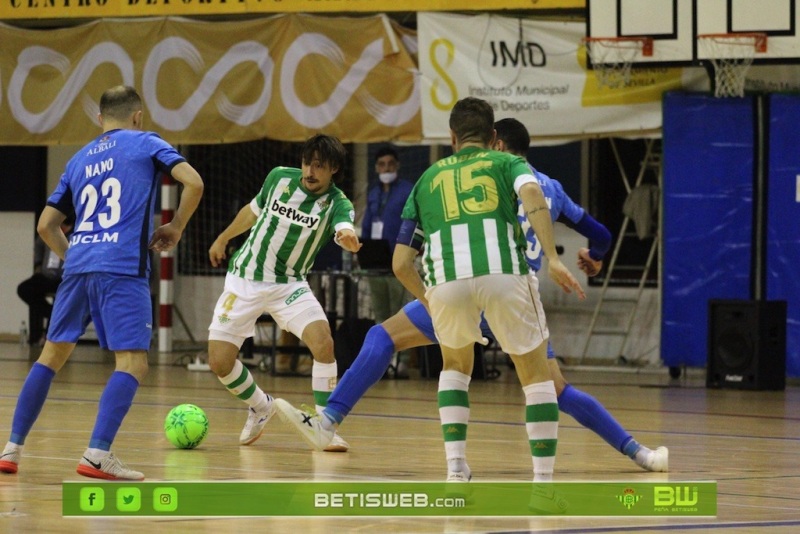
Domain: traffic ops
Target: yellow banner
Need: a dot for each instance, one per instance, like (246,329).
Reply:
(284,78)
(51,9)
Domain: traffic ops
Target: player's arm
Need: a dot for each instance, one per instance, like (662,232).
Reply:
(597,233)
(409,242)
(538,214)
(243,221)
(344,225)
(167,236)
(590,260)
(49,229)
(347,239)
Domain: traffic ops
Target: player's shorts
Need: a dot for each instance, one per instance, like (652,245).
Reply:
(421,319)
(118,305)
(510,303)
(292,306)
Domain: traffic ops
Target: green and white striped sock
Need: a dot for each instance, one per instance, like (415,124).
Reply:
(454,414)
(541,422)
(241,384)
(323,381)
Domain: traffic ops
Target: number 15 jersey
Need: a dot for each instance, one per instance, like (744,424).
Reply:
(466,205)
(111,184)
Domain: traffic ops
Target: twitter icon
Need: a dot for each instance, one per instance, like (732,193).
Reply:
(129,499)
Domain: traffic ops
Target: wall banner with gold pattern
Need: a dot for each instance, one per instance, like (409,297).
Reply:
(284,77)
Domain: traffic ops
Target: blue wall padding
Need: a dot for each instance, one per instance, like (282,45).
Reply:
(708,156)
(783,218)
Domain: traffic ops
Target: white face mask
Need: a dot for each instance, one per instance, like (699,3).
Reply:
(387,177)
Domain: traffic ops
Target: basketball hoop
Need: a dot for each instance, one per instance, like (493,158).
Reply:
(731,54)
(612,57)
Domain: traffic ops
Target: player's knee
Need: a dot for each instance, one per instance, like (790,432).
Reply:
(322,349)
(220,365)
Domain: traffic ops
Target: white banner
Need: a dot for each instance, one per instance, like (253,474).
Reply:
(533,71)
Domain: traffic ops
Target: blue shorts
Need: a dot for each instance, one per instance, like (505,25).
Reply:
(421,319)
(118,305)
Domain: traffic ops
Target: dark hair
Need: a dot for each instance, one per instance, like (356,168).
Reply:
(120,102)
(514,134)
(328,150)
(472,120)
(386,151)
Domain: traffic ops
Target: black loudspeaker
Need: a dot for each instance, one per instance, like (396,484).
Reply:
(746,344)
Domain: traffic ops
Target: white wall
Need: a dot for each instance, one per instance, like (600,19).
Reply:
(17,246)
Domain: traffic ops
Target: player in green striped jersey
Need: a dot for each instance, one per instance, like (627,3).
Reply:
(294,215)
(465,207)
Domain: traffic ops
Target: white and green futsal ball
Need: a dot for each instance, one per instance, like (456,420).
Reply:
(186,426)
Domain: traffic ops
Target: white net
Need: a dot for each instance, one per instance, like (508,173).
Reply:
(731,56)
(612,59)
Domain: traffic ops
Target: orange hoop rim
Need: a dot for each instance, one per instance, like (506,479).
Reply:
(759,39)
(646,42)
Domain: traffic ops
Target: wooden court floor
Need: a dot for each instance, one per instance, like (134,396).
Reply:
(749,442)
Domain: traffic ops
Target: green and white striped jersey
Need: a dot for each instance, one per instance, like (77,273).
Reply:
(291,228)
(466,205)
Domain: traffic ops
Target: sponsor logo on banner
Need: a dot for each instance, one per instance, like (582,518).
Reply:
(534,71)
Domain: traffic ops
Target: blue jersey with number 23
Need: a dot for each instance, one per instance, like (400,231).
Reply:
(111,184)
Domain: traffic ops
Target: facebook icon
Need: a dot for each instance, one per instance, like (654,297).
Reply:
(92,499)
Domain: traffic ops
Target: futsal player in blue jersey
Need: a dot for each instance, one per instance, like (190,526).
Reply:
(412,327)
(110,185)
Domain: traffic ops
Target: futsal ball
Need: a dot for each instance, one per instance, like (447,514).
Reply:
(186,426)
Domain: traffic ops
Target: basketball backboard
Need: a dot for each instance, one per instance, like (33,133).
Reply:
(777,19)
(668,22)
(674,26)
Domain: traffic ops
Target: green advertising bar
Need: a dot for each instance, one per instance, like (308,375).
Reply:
(408,499)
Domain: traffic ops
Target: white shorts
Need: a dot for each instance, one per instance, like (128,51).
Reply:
(510,303)
(292,305)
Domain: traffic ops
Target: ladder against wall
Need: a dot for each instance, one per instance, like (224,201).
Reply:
(642,186)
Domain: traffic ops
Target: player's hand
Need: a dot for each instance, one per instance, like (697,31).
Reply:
(561,276)
(588,265)
(165,238)
(217,252)
(348,240)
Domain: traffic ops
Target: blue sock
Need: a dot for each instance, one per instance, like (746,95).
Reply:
(367,369)
(586,410)
(115,402)
(30,401)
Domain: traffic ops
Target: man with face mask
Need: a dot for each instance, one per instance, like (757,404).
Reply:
(385,201)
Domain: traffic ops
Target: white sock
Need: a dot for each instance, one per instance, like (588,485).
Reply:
(265,403)
(326,422)
(95,454)
(642,456)
(457,465)
(11,447)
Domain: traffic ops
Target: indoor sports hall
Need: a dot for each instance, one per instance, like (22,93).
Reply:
(671,122)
